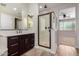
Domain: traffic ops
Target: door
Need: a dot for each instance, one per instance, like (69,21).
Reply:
(44,30)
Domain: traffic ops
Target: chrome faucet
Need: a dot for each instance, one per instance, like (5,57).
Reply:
(19,31)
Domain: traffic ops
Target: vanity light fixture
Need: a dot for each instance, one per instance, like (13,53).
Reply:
(30,15)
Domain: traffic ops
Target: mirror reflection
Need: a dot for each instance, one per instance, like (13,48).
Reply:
(14,16)
(29,21)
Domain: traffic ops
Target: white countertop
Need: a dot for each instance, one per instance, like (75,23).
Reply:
(7,35)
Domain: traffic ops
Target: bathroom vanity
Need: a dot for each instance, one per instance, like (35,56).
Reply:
(19,43)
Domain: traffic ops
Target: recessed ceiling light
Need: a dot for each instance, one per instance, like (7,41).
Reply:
(15,9)
(40,6)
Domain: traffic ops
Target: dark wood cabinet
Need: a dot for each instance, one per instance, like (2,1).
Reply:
(20,44)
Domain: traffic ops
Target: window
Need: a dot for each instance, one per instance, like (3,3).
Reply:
(67,25)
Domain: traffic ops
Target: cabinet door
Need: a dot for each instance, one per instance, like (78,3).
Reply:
(7,21)
(26,46)
(29,42)
(21,45)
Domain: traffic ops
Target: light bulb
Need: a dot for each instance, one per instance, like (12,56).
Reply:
(40,6)
(15,9)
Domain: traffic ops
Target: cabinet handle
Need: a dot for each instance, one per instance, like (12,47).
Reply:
(14,53)
(14,44)
(14,38)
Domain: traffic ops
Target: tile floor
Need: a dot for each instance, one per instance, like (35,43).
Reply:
(63,50)
(37,52)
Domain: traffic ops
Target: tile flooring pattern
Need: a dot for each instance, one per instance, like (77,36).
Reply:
(63,50)
(37,52)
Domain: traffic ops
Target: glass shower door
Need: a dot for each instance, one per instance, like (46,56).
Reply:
(44,30)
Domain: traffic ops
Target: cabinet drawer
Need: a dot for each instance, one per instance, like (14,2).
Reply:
(12,49)
(12,40)
(14,54)
(12,45)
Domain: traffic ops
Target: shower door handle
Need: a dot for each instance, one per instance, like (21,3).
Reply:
(49,30)
(46,27)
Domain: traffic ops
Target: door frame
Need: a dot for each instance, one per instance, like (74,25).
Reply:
(50,24)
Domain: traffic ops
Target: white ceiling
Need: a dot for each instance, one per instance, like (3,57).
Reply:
(49,5)
(19,6)
(53,5)
(9,7)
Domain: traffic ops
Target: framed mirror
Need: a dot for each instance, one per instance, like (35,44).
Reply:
(29,21)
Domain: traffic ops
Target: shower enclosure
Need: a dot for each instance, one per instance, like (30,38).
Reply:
(46,25)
